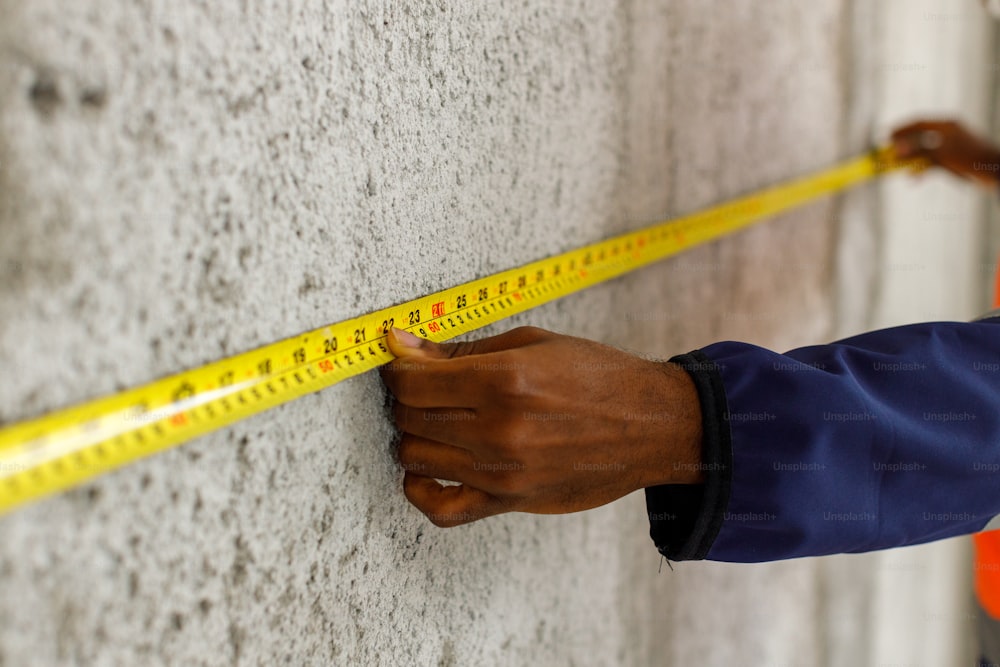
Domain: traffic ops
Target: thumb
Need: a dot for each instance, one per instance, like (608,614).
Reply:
(405,344)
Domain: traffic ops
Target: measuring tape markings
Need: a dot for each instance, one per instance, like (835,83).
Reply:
(68,447)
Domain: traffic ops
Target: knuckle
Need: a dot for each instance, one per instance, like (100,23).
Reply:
(513,382)
(506,436)
(520,384)
(532,334)
(512,484)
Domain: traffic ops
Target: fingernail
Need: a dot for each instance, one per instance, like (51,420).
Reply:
(406,339)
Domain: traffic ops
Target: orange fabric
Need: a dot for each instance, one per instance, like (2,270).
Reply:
(987,571)
(996,289)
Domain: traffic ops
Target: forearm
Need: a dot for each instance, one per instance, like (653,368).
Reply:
(881,440)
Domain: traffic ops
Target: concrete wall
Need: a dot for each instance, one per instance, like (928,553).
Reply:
(181,180)
(922,260)
(935,63)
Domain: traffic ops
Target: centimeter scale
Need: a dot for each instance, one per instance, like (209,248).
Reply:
(68,447)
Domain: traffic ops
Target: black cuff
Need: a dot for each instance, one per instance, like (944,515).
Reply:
(684,519)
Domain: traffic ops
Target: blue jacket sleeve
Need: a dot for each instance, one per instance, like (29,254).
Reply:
(881,440)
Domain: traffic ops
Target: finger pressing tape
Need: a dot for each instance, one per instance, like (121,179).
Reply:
(68,447)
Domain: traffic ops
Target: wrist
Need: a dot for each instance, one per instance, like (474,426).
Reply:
(674,447)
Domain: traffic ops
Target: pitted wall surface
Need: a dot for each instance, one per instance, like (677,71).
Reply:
(182,180)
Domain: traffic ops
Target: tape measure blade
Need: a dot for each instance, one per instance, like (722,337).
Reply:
(68,447)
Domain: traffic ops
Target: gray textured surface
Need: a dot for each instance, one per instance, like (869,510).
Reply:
(180,180)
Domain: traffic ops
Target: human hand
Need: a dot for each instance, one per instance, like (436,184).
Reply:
(534,421)
(950,145)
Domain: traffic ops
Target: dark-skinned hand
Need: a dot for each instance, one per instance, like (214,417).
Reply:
(948,144)
(534,421)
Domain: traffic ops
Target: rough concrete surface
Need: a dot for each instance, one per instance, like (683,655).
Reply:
(182,180)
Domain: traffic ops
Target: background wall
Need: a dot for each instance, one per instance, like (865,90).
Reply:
(924,259)
(182,180)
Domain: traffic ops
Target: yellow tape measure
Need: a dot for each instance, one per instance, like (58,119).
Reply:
(68,447)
